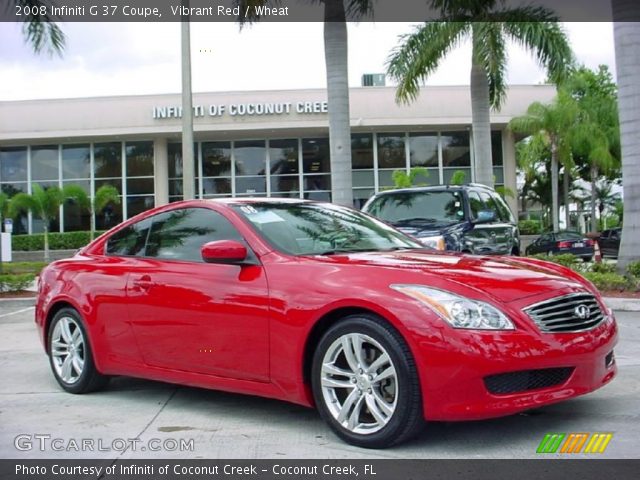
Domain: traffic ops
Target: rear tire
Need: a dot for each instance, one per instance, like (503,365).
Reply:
(365,383)
(70,354)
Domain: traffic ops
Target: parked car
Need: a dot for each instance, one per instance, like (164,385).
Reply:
(609,242)
(322,305)
(462,218)
(562,242)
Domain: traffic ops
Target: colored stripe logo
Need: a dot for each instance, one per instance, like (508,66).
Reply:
(574,443)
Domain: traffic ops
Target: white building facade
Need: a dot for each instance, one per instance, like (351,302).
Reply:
(266,143)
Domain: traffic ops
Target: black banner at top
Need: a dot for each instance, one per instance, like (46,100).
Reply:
(301,10)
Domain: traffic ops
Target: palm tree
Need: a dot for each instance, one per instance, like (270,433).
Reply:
(45,205)
(420,53)
(626,34)
(39,30)
(553,122)
(336,14)
(402,179)
(105,195)
(4,208)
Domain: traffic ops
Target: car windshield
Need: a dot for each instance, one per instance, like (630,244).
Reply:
(568,236)
(321,229)
(417,209)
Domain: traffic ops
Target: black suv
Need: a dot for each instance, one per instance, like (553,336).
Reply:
(464,218)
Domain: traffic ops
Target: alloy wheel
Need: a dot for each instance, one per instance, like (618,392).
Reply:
(68,350)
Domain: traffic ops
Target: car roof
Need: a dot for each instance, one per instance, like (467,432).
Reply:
(438,188)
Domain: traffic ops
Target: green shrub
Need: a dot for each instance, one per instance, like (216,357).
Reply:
(18,268)
(14,283)
(57,241)
(603,268)
(565,259)
(529,227)
(634,269)
(607,281)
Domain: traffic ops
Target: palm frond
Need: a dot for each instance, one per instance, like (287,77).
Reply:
(40,30)
(419,54)
(105,195)
(545,39)
(76,194)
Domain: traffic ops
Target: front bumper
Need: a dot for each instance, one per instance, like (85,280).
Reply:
(453,374)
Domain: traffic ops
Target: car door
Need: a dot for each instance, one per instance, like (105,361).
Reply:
(485,238)
(195,316)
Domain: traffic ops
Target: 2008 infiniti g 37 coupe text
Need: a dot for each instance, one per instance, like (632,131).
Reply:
(322,305)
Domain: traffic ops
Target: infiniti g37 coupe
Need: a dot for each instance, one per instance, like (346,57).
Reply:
(322,306)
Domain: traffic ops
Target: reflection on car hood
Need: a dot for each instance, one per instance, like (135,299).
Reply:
(431,230)
(504,278)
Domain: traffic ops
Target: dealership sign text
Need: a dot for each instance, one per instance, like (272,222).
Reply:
(244,109)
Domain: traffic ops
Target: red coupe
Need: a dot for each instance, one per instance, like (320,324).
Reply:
(322,305)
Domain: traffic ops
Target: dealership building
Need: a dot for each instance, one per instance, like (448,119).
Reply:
(259,143)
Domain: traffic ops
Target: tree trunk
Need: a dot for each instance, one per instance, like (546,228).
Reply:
(554,185)
(565,193)
(481,121)
(47,257)
(627,44)
(594,198)
(336,59)
(93,223)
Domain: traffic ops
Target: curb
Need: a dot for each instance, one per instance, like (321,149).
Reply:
(623,304)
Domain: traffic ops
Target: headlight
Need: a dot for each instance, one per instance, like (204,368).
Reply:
(433,242)
(459,312)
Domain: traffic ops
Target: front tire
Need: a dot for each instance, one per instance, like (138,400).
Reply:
(70,354)
(365,383)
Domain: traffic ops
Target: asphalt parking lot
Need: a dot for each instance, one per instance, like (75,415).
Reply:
(181,422)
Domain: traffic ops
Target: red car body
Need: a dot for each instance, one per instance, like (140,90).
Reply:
(252,329)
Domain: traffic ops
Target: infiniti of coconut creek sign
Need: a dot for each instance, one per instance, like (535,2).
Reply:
(243,109)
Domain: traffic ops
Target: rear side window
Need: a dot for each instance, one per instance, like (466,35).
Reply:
(179,234)
(129,241)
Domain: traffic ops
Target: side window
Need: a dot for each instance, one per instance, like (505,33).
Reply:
(502,210)
(179,234)
(475,204)
(546,238)
(129,241)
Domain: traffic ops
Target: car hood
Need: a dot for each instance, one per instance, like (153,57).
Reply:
(506,279)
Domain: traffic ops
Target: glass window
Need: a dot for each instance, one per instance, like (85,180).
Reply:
(391,151)
(107,160)
(503,211)
(362,178)
(129,241)
(312,229)
(475,204)
(361,151)
(139,186)
(216,159)
(139,159)
(455,149)
(179,234)
(136,205)
(423,149)
(496,148)
(44,163)
(110,216)
(419,209)
(283,156)
(76,161)
(316,156)
(214,186)
(250,157)
(285,183)
(13,164)
(251,185)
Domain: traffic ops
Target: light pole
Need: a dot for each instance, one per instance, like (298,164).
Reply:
(188,190)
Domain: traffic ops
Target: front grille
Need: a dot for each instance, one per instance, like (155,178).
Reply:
(525,380)
(571,313)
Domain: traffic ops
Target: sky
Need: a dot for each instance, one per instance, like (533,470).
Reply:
(103,59)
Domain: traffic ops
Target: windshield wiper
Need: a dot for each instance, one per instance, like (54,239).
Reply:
(415,221)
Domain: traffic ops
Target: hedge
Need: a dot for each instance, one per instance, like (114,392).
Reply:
(14,283)
(57,241)
(529,227)
(608,281)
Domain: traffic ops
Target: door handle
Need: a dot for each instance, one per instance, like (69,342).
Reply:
(143,283)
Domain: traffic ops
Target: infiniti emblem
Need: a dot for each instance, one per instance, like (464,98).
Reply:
(582,312)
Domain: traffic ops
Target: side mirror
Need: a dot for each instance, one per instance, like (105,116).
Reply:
(224,251)
(486,216)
